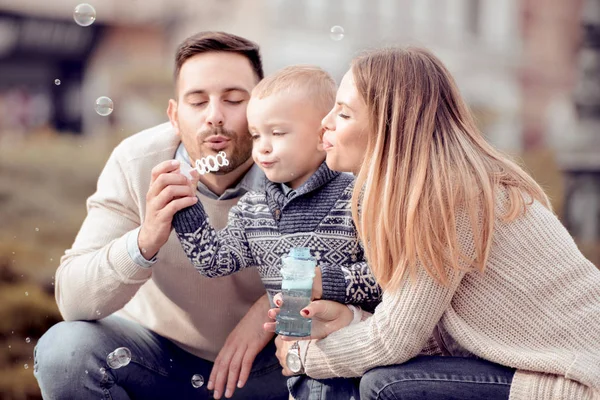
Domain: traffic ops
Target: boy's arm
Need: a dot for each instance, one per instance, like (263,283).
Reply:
(350,284)
(213,253)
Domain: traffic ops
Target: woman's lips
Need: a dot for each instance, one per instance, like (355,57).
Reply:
(326,145)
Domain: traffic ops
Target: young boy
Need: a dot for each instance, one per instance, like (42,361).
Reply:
(304,203)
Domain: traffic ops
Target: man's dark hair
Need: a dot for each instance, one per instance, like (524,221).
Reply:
(210,41)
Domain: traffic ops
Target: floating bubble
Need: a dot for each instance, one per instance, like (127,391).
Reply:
(28,340)
(336,33)
(98,312)
(26,293)
(197,381)
(119,358)
(37,229)
(57,82)
(104,106)
(9,346)
(102,371)
(26,366)
(84,14)
(86,372)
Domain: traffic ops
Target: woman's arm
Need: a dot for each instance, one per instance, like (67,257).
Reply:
(397,331)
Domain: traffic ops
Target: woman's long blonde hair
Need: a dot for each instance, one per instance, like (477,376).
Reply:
(426,160)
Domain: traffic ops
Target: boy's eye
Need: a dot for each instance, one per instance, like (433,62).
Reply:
(278,133)
(198,104)
(234,101)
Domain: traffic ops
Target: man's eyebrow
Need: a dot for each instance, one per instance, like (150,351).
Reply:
(226,90)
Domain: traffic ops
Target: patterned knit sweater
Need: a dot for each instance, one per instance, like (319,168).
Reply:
(264,226)
(536,308)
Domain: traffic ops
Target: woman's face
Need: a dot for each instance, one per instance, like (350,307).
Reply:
(346,129)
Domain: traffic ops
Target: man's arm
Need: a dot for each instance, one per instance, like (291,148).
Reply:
(213,253)
(97,276)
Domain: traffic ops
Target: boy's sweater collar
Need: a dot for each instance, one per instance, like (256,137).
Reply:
(321,177)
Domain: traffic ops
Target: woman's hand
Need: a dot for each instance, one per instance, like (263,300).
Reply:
(327,317)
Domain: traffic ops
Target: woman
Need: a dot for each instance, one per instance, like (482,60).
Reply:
(464,244)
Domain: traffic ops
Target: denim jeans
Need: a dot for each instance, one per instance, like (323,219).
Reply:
(437,378)
(423,377)
(69,357)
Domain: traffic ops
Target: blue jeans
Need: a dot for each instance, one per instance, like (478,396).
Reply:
(69,357)
(437,378)
(423,377)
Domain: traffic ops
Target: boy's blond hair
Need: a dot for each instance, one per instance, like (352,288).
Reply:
(318,85)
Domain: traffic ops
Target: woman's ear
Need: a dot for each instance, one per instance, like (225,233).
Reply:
(172,113)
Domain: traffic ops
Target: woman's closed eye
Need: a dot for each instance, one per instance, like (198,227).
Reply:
(343,116)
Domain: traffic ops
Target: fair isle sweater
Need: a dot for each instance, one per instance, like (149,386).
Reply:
(265,225)
(536,308)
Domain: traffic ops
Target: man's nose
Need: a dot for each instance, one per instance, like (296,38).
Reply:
(215,116)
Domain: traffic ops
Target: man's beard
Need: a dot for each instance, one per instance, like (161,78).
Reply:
(239,151)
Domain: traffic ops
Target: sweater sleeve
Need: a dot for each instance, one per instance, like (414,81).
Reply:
(97,276)
(213,253)
(400,327)
(350,284)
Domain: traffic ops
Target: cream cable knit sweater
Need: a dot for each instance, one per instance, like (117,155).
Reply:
(535,308)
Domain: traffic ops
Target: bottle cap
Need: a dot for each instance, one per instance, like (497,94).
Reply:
(300,252)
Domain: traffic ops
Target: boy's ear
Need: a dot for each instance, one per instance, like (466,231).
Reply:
(320,142)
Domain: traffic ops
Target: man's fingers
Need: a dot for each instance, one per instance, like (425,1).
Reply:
(222,370)
(164,180)
(164,168)
(179,204)
(234,371)
(246,368)
(169,193)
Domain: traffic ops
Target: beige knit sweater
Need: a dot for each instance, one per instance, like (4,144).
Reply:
(535,308)
(97,277)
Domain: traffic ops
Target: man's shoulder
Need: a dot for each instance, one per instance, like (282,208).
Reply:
(152,145)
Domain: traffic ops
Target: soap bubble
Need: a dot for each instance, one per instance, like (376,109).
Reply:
(104,106)
(197,381)
(84,14)
(336,33)
(27,340)
(26,293)
(26,366)
(57,82)
(37,229)
(119,358)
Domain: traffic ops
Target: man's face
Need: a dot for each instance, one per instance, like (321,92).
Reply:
(209,115)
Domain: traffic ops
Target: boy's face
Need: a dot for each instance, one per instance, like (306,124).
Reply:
(286,137)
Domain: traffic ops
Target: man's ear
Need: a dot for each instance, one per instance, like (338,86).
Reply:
(172,113)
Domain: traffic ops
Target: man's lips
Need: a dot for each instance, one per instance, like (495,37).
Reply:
(217,142)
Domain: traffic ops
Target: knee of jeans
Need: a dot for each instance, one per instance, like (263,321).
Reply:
(65,349)
(377,384)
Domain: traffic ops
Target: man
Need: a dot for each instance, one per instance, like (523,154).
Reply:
(126,281)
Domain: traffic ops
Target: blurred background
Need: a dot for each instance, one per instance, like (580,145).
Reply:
(529,69)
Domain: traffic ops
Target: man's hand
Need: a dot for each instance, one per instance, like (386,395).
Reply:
(234,361)
(169,192)
(327,317)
